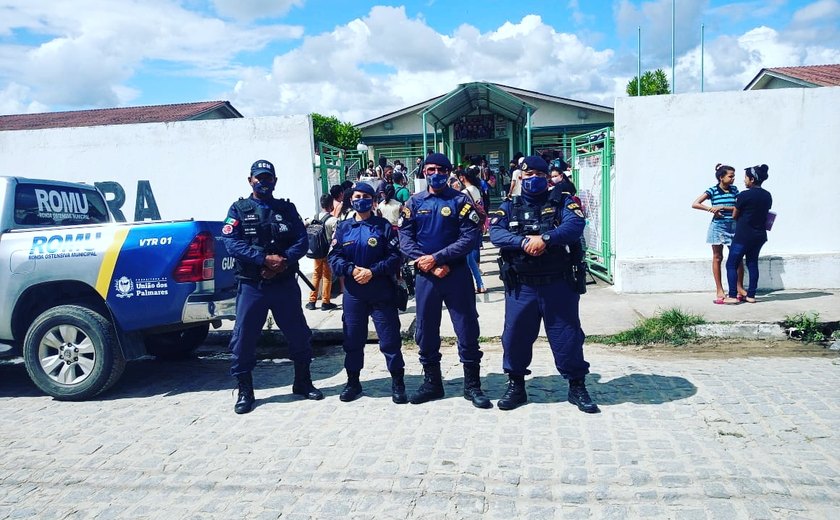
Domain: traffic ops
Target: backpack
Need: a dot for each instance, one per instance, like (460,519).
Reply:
(478,205)
(316,234)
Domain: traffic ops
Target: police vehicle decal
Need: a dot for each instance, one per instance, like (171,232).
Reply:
(137,283)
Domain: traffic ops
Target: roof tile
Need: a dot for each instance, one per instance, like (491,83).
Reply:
(110,116)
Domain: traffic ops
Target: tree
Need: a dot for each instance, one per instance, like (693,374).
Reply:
(653,84)
(334,132)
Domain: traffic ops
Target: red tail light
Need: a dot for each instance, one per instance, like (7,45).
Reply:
(196,264)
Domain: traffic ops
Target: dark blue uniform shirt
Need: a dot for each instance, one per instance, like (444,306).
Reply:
(568,232)
(282,224)
(371,244)
(443,225)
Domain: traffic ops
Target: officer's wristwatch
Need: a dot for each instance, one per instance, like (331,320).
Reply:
(546,238)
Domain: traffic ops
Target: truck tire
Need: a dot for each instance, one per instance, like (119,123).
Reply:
(179,344)
(72,353)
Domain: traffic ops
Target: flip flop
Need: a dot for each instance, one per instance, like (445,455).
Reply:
(741,297)
(731,301)
(749,300)
(718,301)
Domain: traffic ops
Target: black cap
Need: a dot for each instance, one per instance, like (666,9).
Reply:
(262,166)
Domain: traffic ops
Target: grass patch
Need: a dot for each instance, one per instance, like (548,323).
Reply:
(806,327)
(671,326)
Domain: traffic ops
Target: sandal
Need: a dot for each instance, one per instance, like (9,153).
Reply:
(749,300)
(731,301)
(718,301)
(741,297)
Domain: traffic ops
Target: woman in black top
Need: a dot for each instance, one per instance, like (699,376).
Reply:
(751,208)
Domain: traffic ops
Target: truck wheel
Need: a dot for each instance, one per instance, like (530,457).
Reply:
(179,344)
(72,353)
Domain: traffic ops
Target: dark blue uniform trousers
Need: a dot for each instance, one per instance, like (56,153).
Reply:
(253,301)
(456,290)
(386,321)
(557,305)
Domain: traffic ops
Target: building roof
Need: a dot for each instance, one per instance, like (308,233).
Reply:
(806,76)
(121,116)
(419,107)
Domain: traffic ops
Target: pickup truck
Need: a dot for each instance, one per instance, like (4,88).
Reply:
(82,294)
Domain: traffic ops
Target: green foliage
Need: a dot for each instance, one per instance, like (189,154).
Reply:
(653,84)
(804,326)
(670,326)
(334,132)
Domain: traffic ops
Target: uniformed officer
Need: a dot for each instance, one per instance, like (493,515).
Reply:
(538,236)
(365,250)
(267,238)
(438,228)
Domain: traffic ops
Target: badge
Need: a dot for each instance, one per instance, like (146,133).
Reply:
(227,229)
(372,242)
(446,211)
(579,213)
(474,217)
(406,213)
(573,206)
(231,221)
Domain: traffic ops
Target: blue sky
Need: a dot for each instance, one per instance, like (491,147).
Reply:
(358,59)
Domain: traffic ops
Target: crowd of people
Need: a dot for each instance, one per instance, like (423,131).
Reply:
(375,226)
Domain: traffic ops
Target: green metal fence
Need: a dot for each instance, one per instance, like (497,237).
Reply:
(593,173)
(332,165)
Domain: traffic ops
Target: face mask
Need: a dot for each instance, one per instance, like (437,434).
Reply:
(534,185)
(362,205)
(438,180)
(263,188)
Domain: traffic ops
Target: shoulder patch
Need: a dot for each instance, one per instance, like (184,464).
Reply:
(573,206)
(466,209)
(406,212)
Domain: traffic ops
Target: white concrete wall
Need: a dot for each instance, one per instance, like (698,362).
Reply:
(196,168)
(666,150)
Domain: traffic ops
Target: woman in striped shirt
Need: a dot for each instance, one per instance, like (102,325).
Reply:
(721,198)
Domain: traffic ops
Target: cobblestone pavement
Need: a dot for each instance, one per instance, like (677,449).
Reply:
(678,438)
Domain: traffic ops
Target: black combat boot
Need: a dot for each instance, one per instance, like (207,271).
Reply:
(398,386)
(245,398)
(580,397)
(515,395)
(472,386)
(353,388)
(432,387)
(303,383)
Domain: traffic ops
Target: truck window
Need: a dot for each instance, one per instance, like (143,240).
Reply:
(53,205)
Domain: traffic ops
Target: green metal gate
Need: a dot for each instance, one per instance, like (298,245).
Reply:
(332,165)
(593,173)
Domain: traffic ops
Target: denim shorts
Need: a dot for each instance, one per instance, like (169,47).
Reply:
(720,232)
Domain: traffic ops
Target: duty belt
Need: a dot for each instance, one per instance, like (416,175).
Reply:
(539,280)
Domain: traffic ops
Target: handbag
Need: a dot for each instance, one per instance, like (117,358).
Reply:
(401,294)
(771,218)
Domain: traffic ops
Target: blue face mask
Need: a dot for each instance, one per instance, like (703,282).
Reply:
(362,205)
(263,188)
(438,180)
(534,185)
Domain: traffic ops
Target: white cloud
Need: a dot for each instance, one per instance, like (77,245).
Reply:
(85,51)
(15,99)
(328,72)
(254,9)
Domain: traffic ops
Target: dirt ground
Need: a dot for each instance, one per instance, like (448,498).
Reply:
(707,348)
(710,348)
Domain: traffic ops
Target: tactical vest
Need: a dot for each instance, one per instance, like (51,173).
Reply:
(267,227)
(526,219)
